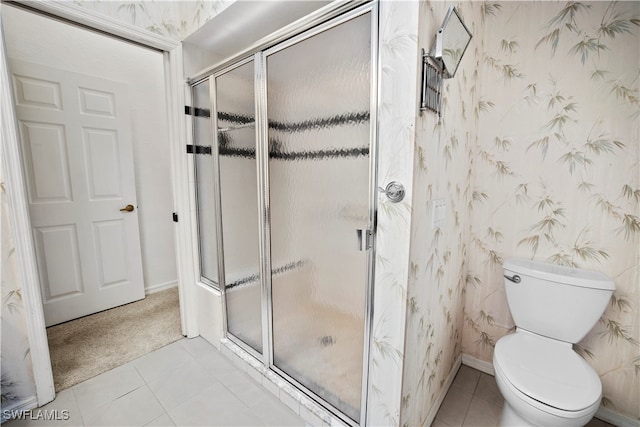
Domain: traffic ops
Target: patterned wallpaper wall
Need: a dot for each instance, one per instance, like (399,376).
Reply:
(398,45)
(556,172)
(17,383)
(439,254)
(174,19)
(538,157)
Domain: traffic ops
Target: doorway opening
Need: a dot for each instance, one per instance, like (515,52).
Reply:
(76,252)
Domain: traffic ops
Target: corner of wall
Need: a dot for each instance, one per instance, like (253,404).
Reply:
(398,53)
(439,250)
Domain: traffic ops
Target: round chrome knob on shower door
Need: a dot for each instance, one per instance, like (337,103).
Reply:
(394,191)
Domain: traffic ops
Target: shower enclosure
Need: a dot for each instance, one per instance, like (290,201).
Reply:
(285,165)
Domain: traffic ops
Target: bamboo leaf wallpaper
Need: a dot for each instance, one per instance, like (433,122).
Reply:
(174,19)
(549,169)
(537,155)
(17,384)
(398,46)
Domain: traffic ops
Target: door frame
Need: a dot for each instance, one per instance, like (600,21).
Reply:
(17,195)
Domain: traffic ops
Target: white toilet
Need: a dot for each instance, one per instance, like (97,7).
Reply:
(543,381)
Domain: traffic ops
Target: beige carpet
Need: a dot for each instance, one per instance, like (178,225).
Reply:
(83,348)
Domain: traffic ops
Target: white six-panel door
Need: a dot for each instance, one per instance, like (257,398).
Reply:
(78,160)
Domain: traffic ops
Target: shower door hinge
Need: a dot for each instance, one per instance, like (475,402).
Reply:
(365,237)
(198,149)
(198,112)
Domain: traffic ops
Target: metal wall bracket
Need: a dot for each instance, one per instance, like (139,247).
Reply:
(431,92)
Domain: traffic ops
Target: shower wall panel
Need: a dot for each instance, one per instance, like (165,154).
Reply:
(235,112)
(204,174)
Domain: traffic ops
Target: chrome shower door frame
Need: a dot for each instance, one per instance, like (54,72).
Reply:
(261,76)
(218,202)
(305,28)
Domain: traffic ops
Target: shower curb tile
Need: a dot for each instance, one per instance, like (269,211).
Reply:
(290,401)
(225,350)
(239,363)
(309,405)
(309,417)
(243,360)
(255,374)
(271,387)
(337,422)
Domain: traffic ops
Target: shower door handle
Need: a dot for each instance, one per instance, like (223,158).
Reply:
(364,238)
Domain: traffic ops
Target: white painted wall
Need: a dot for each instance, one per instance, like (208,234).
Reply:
(33,38)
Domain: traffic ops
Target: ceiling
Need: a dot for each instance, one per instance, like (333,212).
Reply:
(245,22)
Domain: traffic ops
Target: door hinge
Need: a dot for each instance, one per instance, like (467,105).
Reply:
(199,149)
(175,217)
(198,112)
(365,239)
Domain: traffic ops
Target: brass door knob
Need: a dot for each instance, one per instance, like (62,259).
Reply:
(128,208)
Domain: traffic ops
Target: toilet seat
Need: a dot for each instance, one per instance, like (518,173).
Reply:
(547,373)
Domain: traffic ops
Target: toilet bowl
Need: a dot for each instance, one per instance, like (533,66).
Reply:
(543,380)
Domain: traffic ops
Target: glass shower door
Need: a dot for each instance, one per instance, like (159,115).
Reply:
(235,114)
(319,131)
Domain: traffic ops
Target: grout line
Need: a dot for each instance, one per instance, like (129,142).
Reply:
(131,391)
(466,413)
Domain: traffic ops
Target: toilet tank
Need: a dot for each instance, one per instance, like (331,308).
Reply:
(555,301)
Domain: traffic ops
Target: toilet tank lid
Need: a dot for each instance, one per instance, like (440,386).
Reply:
(560,273)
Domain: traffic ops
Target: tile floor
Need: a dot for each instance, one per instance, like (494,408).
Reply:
(474,400)
(187,383)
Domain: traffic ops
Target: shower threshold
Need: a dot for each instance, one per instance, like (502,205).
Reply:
(285,389)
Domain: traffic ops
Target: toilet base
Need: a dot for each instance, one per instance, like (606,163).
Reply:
(510,418)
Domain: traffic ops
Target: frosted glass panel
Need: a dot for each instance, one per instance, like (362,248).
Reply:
(204,170)
(318,97)
(239,203)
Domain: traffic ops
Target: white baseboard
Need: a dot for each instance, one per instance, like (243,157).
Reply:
(447,384)
(160,287)
(480,365)
(616,418)
(23,405)
(603,414)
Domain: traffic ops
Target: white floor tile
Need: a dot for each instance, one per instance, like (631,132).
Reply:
(482,413)
(163,420)
(252,394)
(467,379)
(454,407)
(180,384)
(216,363)
(106,387)
(198,347)
(133,409)
(274,413)
(488,390)
(158,363)
(215,406)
